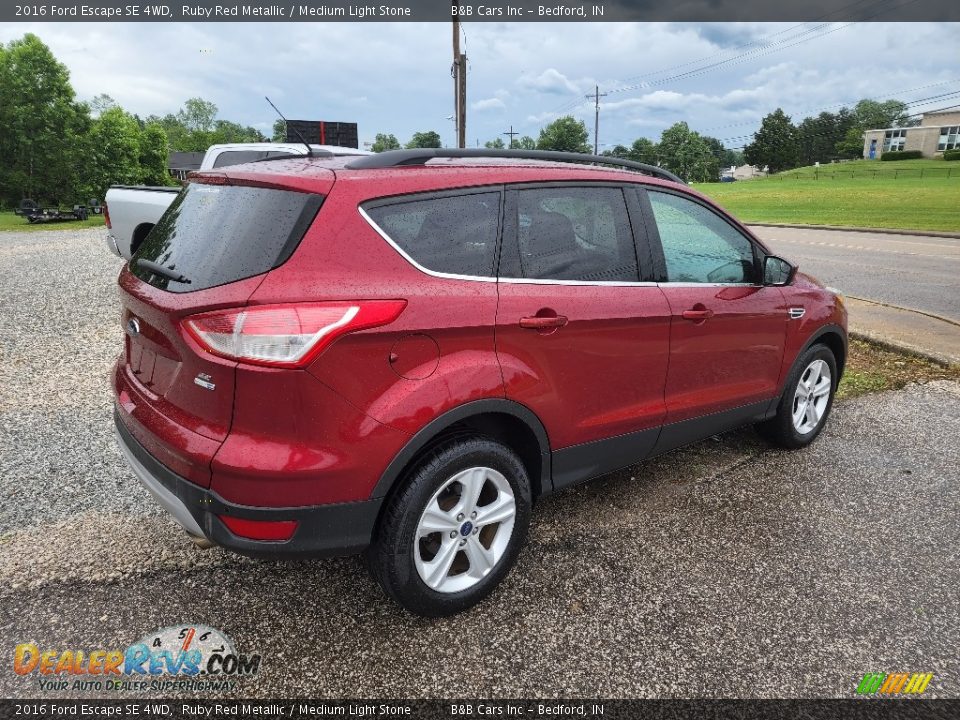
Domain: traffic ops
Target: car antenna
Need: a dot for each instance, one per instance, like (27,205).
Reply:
(287,123)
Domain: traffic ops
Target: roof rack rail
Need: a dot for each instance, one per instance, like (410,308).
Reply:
(419,156)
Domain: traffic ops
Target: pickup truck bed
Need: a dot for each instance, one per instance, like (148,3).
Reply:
(134,210)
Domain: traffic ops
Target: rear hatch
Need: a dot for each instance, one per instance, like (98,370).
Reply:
(209,251)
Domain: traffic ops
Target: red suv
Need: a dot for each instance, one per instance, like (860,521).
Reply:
(398,354)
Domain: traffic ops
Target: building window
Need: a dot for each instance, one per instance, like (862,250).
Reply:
(894,140)
(949,138)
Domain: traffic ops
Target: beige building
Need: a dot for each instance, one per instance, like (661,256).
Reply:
(937,131)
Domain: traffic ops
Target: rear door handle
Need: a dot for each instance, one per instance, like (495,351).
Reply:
(697,315)
(543,323)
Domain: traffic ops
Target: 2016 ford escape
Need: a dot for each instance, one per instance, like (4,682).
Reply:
(398,354)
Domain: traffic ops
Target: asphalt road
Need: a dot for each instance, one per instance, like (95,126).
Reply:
(724,569)
(909,271)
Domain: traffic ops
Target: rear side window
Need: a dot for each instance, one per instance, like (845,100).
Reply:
(574,233)
(454,234)
(216,234)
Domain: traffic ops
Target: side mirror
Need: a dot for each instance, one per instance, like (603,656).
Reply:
(777,271)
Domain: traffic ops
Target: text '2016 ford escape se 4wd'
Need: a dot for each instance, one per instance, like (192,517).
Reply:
(398,354)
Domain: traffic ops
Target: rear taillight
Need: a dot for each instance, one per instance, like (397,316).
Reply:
(286,335)
(106,216)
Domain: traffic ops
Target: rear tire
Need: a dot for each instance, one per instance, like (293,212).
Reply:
(806,402)
(454,530)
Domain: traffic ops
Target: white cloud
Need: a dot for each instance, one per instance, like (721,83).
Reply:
(537,72)
(493,103)
(550,81)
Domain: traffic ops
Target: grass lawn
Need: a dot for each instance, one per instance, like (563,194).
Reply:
(10,222)
(871,368)
(849,194)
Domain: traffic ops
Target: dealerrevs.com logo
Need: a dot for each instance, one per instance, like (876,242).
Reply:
(186,657)
(894,683)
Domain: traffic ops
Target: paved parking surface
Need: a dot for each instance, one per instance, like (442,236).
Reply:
(723,569)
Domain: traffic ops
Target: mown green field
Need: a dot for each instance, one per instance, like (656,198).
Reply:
(859,194)
(11,222)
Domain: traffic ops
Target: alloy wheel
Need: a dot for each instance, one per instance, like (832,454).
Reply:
(812,396)
(464,530)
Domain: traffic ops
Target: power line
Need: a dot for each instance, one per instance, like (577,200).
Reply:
(889,94)
(767,49)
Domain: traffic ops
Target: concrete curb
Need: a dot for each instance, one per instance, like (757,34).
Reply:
(905,348)
(845,228)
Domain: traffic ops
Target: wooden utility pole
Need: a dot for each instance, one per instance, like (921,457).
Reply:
(459,83)
(511,134)
(596,116)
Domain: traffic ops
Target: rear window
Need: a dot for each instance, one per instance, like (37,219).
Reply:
(216,234)
(454,234)
(238,157)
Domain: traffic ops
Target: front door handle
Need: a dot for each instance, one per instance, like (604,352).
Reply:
(698,314)
(543,323)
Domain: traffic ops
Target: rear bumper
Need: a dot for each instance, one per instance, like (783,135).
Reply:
(322,530)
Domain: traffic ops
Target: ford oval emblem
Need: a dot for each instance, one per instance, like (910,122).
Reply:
(133,326)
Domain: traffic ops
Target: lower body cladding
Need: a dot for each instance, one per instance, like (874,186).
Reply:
(322,530)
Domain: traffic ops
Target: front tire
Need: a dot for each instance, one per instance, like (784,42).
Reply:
(806,401)
(455,529)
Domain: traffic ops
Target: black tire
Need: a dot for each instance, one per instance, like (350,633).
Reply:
(390,558)
(780,429)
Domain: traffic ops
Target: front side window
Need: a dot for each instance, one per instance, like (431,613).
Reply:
(452,234)
(698,245)
(576,233)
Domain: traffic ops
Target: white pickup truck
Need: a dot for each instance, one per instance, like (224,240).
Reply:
(131,211)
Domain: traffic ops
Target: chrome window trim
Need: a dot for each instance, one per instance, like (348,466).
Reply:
(590,283)
(418,266)
(698,284)
(481,278)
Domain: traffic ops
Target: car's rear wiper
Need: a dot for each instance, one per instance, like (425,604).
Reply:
(161,270)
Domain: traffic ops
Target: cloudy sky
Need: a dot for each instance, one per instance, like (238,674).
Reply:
(720,78)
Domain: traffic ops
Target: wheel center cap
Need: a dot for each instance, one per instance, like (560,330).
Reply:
(466,528)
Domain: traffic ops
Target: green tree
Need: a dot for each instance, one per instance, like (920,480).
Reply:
(43,127)
(643,150)
(525,143)
(817,137)
(198,114)
(873,115)
(566,134)
(618,151)
(495,144)
(385,141)
(774,144)
(225,131)
(114,152)
(428,139)
(153,155)
(279,131)
(687,154)
(102,102)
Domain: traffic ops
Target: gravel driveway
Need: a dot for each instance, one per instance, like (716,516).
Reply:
(725,569)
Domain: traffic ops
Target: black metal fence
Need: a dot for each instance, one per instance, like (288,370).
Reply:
(870,174)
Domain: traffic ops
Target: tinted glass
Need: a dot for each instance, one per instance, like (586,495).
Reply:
(575,234)
(238,157)
(699,245)
(456,234)
(216,234)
